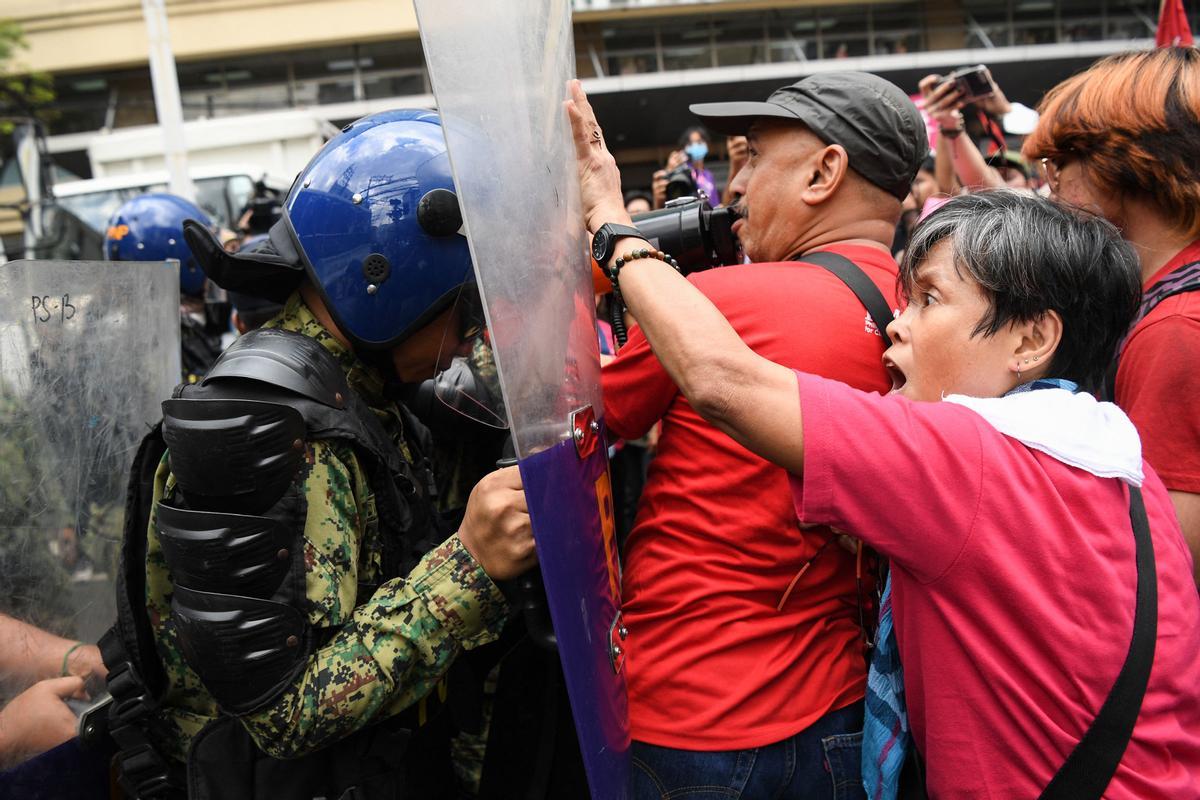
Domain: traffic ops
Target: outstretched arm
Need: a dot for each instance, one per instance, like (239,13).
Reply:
(748,397)
(944,103)
(31,654)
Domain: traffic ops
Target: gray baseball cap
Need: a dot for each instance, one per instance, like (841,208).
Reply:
(871,117)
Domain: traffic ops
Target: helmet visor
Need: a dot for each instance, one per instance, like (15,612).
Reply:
(464,392)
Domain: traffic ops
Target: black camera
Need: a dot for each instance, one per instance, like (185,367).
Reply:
(696,234)
(265,207)
(972,82)
(680,183)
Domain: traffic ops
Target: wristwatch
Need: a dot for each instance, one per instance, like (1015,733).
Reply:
(604,242)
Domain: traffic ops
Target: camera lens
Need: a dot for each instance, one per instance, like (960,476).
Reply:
(698,236)
(680,182)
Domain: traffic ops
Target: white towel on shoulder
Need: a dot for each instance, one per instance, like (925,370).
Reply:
(1074,428)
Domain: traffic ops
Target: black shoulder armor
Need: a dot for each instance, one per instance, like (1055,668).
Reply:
(286,360)
(237,438)
(239,455)
(228,553)
(232,531)
(245,649)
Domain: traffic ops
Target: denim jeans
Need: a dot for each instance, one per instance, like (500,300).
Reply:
(822,762)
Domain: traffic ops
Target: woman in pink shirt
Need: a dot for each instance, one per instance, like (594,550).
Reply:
(1006,500)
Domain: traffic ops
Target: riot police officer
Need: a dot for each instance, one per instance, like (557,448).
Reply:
(150,228)
(294,596)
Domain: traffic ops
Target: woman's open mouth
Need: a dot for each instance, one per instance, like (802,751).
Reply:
(895,373)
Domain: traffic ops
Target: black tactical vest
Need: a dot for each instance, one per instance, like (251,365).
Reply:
(232,536)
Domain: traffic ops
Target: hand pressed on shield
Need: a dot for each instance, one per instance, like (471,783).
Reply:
(496,529)
(599,178)
(31,654)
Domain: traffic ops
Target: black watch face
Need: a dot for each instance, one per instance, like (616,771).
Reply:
(598,244)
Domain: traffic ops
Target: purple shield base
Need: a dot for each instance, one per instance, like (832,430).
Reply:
(570,504)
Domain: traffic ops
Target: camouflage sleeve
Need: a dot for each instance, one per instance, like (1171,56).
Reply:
(391,653)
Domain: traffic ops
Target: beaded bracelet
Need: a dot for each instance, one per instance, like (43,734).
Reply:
(635,255)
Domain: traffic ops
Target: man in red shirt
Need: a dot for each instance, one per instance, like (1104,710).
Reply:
(745,659)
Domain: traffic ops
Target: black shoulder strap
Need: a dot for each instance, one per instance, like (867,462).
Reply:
(1092,764)
(1183,279)
(136,678)
(131,633)
(863,287)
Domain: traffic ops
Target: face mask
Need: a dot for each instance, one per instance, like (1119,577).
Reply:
(696,151)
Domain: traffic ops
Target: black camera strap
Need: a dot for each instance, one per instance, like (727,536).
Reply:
(1089,769)
(857,281)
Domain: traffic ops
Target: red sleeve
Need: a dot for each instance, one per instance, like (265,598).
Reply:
(904,477)
(637,390)
(1157,385)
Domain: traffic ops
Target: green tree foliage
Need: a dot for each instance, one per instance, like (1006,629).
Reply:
(23,93)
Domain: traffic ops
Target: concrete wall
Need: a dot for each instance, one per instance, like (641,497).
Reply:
(279,143)
(67,35)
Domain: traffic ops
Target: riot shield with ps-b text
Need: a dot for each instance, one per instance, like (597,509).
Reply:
(88,351)
(499,73)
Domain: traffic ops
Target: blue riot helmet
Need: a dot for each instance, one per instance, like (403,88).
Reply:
(373,222)
(150,228)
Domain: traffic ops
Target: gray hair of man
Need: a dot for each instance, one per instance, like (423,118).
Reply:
(1031,255)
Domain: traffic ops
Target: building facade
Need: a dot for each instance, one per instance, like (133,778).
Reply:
(643,61)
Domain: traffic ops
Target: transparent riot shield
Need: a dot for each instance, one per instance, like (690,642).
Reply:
(88,351)
(499,73)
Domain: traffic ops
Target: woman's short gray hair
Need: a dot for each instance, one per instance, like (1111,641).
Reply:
(1030,256)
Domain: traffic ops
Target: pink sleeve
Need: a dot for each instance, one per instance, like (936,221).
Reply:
(904,477)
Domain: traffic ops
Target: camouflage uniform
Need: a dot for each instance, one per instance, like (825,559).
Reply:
(458,466)
(383,651)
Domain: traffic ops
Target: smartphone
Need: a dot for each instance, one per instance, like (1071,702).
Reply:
(972,82)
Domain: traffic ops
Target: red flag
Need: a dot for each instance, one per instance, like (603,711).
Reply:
(1173,28)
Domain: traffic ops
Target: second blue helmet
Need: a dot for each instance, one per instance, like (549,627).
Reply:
(150,228)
